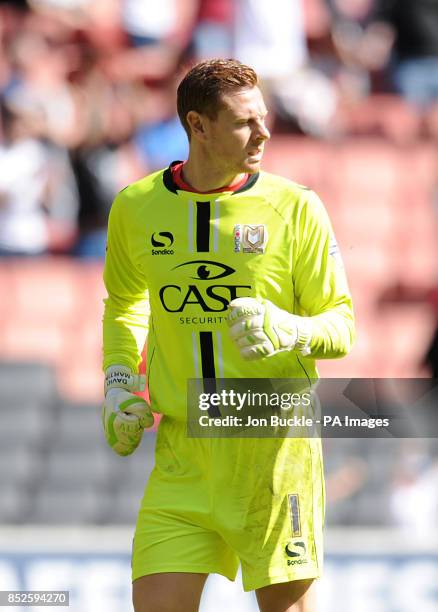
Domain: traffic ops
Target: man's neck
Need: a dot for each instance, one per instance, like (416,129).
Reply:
(204,178)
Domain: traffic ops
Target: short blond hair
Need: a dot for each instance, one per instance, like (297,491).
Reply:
(204,84)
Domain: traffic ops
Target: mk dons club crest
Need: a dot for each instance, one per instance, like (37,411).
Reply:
(250,238)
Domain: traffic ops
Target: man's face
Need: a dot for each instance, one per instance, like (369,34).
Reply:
(236,138)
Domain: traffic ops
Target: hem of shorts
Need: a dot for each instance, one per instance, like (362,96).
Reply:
(269,579)
(190,569)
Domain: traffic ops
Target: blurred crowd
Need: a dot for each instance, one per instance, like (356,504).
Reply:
(87,92)
(383,482)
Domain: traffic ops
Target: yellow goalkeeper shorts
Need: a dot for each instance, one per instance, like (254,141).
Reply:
(211,504)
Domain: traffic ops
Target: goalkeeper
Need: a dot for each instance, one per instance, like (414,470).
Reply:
(228,272)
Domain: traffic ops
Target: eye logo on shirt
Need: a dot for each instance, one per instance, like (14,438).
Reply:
(196,287)
(250,238)
(205,269)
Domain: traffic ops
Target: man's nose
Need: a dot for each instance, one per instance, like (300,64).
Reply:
(262,132)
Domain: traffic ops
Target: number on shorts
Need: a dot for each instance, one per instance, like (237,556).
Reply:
(294,509)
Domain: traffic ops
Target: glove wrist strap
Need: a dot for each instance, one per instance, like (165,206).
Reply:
(121,377)
(304,329)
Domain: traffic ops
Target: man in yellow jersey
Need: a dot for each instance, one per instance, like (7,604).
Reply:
(229,272)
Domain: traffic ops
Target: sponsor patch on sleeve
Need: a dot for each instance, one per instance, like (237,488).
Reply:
(334,252)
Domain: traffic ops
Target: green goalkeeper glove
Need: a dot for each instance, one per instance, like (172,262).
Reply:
(260,329)
(124,415)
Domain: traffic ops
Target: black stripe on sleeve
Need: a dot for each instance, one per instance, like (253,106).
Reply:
(202,227)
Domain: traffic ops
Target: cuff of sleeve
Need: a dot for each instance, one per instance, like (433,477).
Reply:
(120,360)
(304,339)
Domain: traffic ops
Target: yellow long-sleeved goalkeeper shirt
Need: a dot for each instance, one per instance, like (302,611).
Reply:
(176,258)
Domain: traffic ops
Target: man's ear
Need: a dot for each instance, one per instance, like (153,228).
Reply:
(197,125)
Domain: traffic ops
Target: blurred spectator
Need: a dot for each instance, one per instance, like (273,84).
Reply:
(397,36)
(160,137)
(403,294)
(24,184)
(271,37)
(95,196)
(16,4)
(358,58)
(414,66)
(148,23)
(11,17)
(37,57)
(98,171)
(386,47)
(40,75)
(213,34)
(96,77)
(431,356)
(345,481)
(104,159)
(159,34)
(414,494)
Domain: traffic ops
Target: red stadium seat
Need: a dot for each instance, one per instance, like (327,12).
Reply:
(24,339)
(6,300)
(44,290)
(406,332)
(383,115)
(363,223)
(299,159)
(81,378)
(419,167)
(365,166)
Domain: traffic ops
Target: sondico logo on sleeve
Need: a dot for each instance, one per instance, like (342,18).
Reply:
(162,241)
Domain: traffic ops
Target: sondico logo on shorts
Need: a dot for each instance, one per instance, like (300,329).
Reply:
(250,238)
(162,240)
(296,551)
(296,548)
